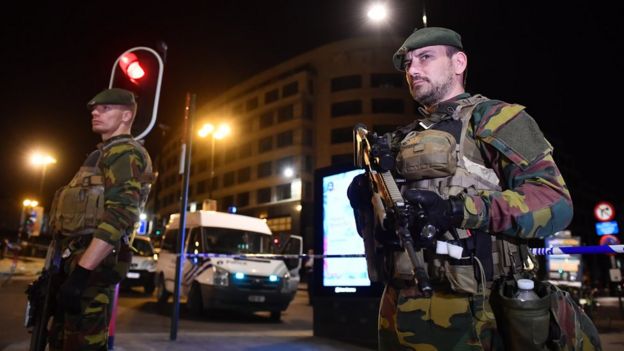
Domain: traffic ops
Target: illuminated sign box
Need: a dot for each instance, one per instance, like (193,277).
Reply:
(336,234)
(564,269)
(605,228)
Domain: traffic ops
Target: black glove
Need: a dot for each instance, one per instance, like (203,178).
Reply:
(359,192)
(71,291)
(442,214)
(359,195)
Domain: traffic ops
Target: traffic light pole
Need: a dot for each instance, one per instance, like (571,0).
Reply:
(158,84)
(189,116)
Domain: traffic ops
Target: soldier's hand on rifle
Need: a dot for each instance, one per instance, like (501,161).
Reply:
(71,291)
(359,192)
(442,214)
(359,195)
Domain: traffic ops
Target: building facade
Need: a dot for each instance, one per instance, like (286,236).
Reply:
(286,122)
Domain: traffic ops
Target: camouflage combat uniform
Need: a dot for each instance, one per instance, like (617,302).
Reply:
(125,167)
(534,202)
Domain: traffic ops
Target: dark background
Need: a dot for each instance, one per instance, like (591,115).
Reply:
(560,60)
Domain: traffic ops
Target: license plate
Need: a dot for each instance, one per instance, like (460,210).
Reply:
(133,275)
(256,298)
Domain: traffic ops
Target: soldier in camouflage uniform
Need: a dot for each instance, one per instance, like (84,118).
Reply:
(97,257)
(503,186)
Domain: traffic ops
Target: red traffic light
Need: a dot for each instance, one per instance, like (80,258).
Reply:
(131,66)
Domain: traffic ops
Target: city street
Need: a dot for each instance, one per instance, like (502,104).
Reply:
(141,320)
(144,325)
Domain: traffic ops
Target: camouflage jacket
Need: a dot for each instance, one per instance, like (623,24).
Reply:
(534,201)
(125,166)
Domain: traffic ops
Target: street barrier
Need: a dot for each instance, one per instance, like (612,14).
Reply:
(540,251)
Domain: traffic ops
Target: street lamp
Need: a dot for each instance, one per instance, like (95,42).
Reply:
(377,12)
(39,159)
(216,133)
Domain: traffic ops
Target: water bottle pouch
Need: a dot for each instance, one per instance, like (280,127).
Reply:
(523,325)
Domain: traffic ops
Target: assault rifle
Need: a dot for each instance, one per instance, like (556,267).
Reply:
(373,153)
(41,298)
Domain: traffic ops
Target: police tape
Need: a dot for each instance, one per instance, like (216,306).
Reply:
(539,251)
(578,250)
(271,256)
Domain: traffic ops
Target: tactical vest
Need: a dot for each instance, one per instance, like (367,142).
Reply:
(443,158)
(78,207)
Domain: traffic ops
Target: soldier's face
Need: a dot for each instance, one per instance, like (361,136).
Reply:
(430,74)
(107,120)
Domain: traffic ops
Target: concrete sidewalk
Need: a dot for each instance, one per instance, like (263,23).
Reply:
(302,340)
(22,266)
(278,340)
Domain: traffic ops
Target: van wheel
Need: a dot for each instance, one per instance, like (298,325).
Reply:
(194,303)
(162,294)
(276,316)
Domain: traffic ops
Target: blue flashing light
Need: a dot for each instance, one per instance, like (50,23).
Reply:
(232,209)
(239,275)
(273,278)
(142,227)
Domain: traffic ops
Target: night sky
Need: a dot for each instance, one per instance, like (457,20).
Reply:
(560,62)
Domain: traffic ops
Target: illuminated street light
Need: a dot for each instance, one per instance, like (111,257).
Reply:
(30,203)
(218,133)
(205,130)
(288,172)
(377,12)
(223,131)
(42,160)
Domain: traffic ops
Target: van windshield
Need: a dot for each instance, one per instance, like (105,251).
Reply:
(234,241)
(143,247)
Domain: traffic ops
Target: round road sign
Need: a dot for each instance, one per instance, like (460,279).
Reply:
(604,211)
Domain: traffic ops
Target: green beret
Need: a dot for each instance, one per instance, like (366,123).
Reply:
(114,96)
(428,36)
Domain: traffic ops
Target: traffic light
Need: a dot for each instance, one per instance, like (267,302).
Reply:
(140,70)
(131,67)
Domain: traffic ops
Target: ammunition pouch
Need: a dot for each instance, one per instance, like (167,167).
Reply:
(460,275)
(427,154)
(77,208)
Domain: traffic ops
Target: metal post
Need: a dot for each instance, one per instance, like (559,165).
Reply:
(189,115)
(43,174)
(212,154)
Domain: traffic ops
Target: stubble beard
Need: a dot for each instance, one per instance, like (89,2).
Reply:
(431,94)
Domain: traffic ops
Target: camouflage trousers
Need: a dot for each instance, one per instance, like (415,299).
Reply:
(89,330)
(445,321)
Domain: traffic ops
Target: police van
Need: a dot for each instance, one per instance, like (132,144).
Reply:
(230,282)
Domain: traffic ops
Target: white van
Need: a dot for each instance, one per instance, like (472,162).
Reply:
(247,284)
(143,265)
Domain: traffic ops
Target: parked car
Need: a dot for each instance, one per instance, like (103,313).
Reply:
(143,265)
